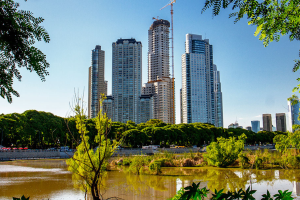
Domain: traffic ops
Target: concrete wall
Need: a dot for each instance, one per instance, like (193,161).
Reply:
(28,154)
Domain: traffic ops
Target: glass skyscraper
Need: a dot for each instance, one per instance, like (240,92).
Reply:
(293,113)
(201,86)
(255,126)
(126,79)
(97,84)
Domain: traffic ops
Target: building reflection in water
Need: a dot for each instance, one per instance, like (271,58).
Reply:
(296,188)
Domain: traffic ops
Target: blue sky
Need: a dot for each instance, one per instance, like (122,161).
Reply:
(255,79)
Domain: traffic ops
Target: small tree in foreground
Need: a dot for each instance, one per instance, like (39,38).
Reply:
(88,165)
(225,151)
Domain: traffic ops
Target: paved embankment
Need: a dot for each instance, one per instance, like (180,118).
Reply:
(46,154)
(28,154)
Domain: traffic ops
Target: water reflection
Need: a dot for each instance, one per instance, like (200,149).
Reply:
(43,179)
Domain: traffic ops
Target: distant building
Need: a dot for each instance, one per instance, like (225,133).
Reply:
(108,106)
(273,128)
(234,125)
(293,112)
(126,79)
(267,122)
(249,128)
(97,84)
(281,122)
(255,126)
(181,117)
(146,108)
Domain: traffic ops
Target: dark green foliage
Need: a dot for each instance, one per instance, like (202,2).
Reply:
(37,129)
(19,30)
(194,193)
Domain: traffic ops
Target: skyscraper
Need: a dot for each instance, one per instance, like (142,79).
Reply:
(160,84)
(127,79)
(281,122)
(255,126)
(97,84)
(293,113)
(267,122)
(201,86)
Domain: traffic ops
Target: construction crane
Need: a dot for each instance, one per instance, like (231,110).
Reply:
(173,84)
(172,38)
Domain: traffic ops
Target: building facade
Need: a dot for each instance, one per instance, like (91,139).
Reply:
(97,84)
(126,79)
(255,126)
(201,86)
(146,108)
(293,112)
(108,106)
(160,85)
(267,122)
(281,122)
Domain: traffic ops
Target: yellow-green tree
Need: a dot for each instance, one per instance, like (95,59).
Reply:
(89,165)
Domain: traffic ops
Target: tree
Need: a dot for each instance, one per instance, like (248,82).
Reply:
(89,165)
(271,17)
(225,151)
(19,30)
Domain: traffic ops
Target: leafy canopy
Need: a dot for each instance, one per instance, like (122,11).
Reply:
(19,30)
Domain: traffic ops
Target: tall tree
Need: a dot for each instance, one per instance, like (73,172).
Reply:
(19,30)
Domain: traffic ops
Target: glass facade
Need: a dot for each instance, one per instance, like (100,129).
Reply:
(293,114)
(201,86)
(255,126)
(97,84)
(127,79)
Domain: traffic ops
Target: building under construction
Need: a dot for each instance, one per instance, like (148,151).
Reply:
(160,85)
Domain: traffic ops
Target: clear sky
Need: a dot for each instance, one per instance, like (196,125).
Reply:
(255,79)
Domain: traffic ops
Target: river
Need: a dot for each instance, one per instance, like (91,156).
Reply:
(49,179)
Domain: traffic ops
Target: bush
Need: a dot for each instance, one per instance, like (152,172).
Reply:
(155,167)
(225,151)
(126,162)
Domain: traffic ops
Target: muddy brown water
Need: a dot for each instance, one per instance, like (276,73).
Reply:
(49,179)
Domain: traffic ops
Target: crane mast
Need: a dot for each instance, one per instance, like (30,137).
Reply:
(172,47)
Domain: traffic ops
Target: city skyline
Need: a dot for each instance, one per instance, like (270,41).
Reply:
(249,72)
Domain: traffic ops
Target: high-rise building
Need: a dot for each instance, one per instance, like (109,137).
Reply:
(160,85)
(293,113)
(181,117)
(218,102)
(146,108)
(281,122)
(127,79)
(97,84)
(108,106)
(201,86)
(255,126)
(248,128)
(267,122)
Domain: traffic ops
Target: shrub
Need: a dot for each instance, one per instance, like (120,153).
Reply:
(243,160)
(225,151)
(126,162)
(155,167)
